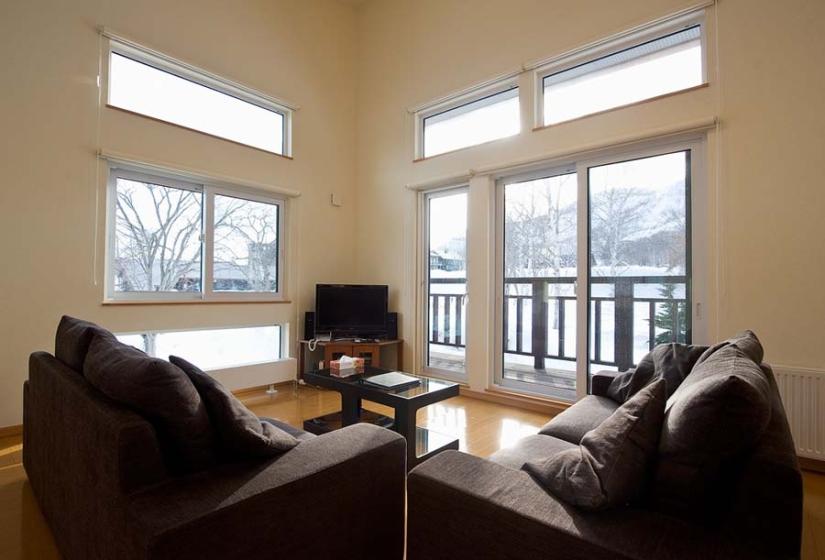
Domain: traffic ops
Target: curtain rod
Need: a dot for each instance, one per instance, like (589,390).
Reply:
(700,125)
(618,142)
(155,166)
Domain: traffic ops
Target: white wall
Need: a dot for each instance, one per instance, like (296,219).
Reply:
(764,254)
(52,123)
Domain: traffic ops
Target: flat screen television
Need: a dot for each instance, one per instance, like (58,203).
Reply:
(351,310)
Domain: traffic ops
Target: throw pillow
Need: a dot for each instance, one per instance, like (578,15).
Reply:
(241,434)
(671,362)
(717,415)
(71,343)
(161,393)
(746,341)
(611,465)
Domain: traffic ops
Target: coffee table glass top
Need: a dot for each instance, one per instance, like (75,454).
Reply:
(426,384)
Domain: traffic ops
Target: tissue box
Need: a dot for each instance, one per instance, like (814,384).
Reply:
(350,366)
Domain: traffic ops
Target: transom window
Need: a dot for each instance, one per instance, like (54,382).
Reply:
(162,88)
(469,120)
(641,67)
(174,239)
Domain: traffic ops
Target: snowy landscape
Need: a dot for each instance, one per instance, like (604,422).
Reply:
(637,240)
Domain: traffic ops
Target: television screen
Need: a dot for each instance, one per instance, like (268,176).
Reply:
(350,309)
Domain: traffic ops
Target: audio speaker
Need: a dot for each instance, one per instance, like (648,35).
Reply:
(309,325)
(392,326)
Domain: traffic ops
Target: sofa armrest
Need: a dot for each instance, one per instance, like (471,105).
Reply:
(600,381)
(340,495)
(460,506)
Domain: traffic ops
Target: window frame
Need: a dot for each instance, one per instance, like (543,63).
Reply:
(457,100)
(613,45)
(282,341)
(254,374)
(191,73)
(557,168)
(580,163)
(208,190)
(424,198)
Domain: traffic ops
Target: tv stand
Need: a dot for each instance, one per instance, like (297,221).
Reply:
(328,350)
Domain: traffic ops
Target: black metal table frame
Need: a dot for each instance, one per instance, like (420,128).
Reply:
(405,409)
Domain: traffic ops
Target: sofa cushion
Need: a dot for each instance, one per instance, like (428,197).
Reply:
(671,362)
(240,433)
(712,423)
(530,448)
(746,341)
(161,393)
(297,433)
(583,416)
(72,340)
(612,465)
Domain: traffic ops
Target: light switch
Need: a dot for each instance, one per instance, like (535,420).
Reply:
(335,200)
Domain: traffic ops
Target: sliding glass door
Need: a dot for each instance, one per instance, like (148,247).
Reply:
(446,282)
(539,302)
(594,267)
(639,257)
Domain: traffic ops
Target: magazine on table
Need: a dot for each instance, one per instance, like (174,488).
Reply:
(392,380)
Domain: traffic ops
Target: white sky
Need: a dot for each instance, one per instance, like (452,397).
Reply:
(672,69)
(448,213)
(149,91)
(490,122)
(448,219)
(650,174)
(562,187)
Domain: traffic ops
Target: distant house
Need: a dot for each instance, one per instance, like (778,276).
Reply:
(445,261)
(227,277)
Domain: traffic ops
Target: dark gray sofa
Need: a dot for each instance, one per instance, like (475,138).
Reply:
(461,506)
(98,474)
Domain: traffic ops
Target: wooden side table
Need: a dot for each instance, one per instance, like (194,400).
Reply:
(369,350)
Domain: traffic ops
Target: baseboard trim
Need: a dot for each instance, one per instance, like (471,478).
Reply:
(248,392)
(536,404)
(815,465)
(9,431)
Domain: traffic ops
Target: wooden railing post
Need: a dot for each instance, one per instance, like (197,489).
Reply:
(623,336)
(539,335)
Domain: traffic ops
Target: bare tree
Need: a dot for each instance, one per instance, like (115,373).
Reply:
(539,231)
(246,240)
(158,237)
(617,213)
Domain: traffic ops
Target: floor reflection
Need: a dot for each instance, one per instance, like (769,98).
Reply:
(513,430)
(23,530)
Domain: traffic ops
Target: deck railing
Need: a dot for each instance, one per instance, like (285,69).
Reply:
(447,317)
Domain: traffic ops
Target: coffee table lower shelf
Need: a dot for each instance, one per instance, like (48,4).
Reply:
(427,442)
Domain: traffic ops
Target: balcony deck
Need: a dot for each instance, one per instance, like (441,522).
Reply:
(558,383)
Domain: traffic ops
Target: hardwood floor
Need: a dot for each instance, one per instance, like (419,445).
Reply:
(481,427)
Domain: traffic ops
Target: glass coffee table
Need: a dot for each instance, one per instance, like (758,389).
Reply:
(405,401)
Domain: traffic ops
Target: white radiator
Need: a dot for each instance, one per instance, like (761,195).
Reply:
(803,395)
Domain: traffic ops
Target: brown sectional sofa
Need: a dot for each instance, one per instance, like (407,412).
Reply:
(461,506)
(102,478)
(98,473)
